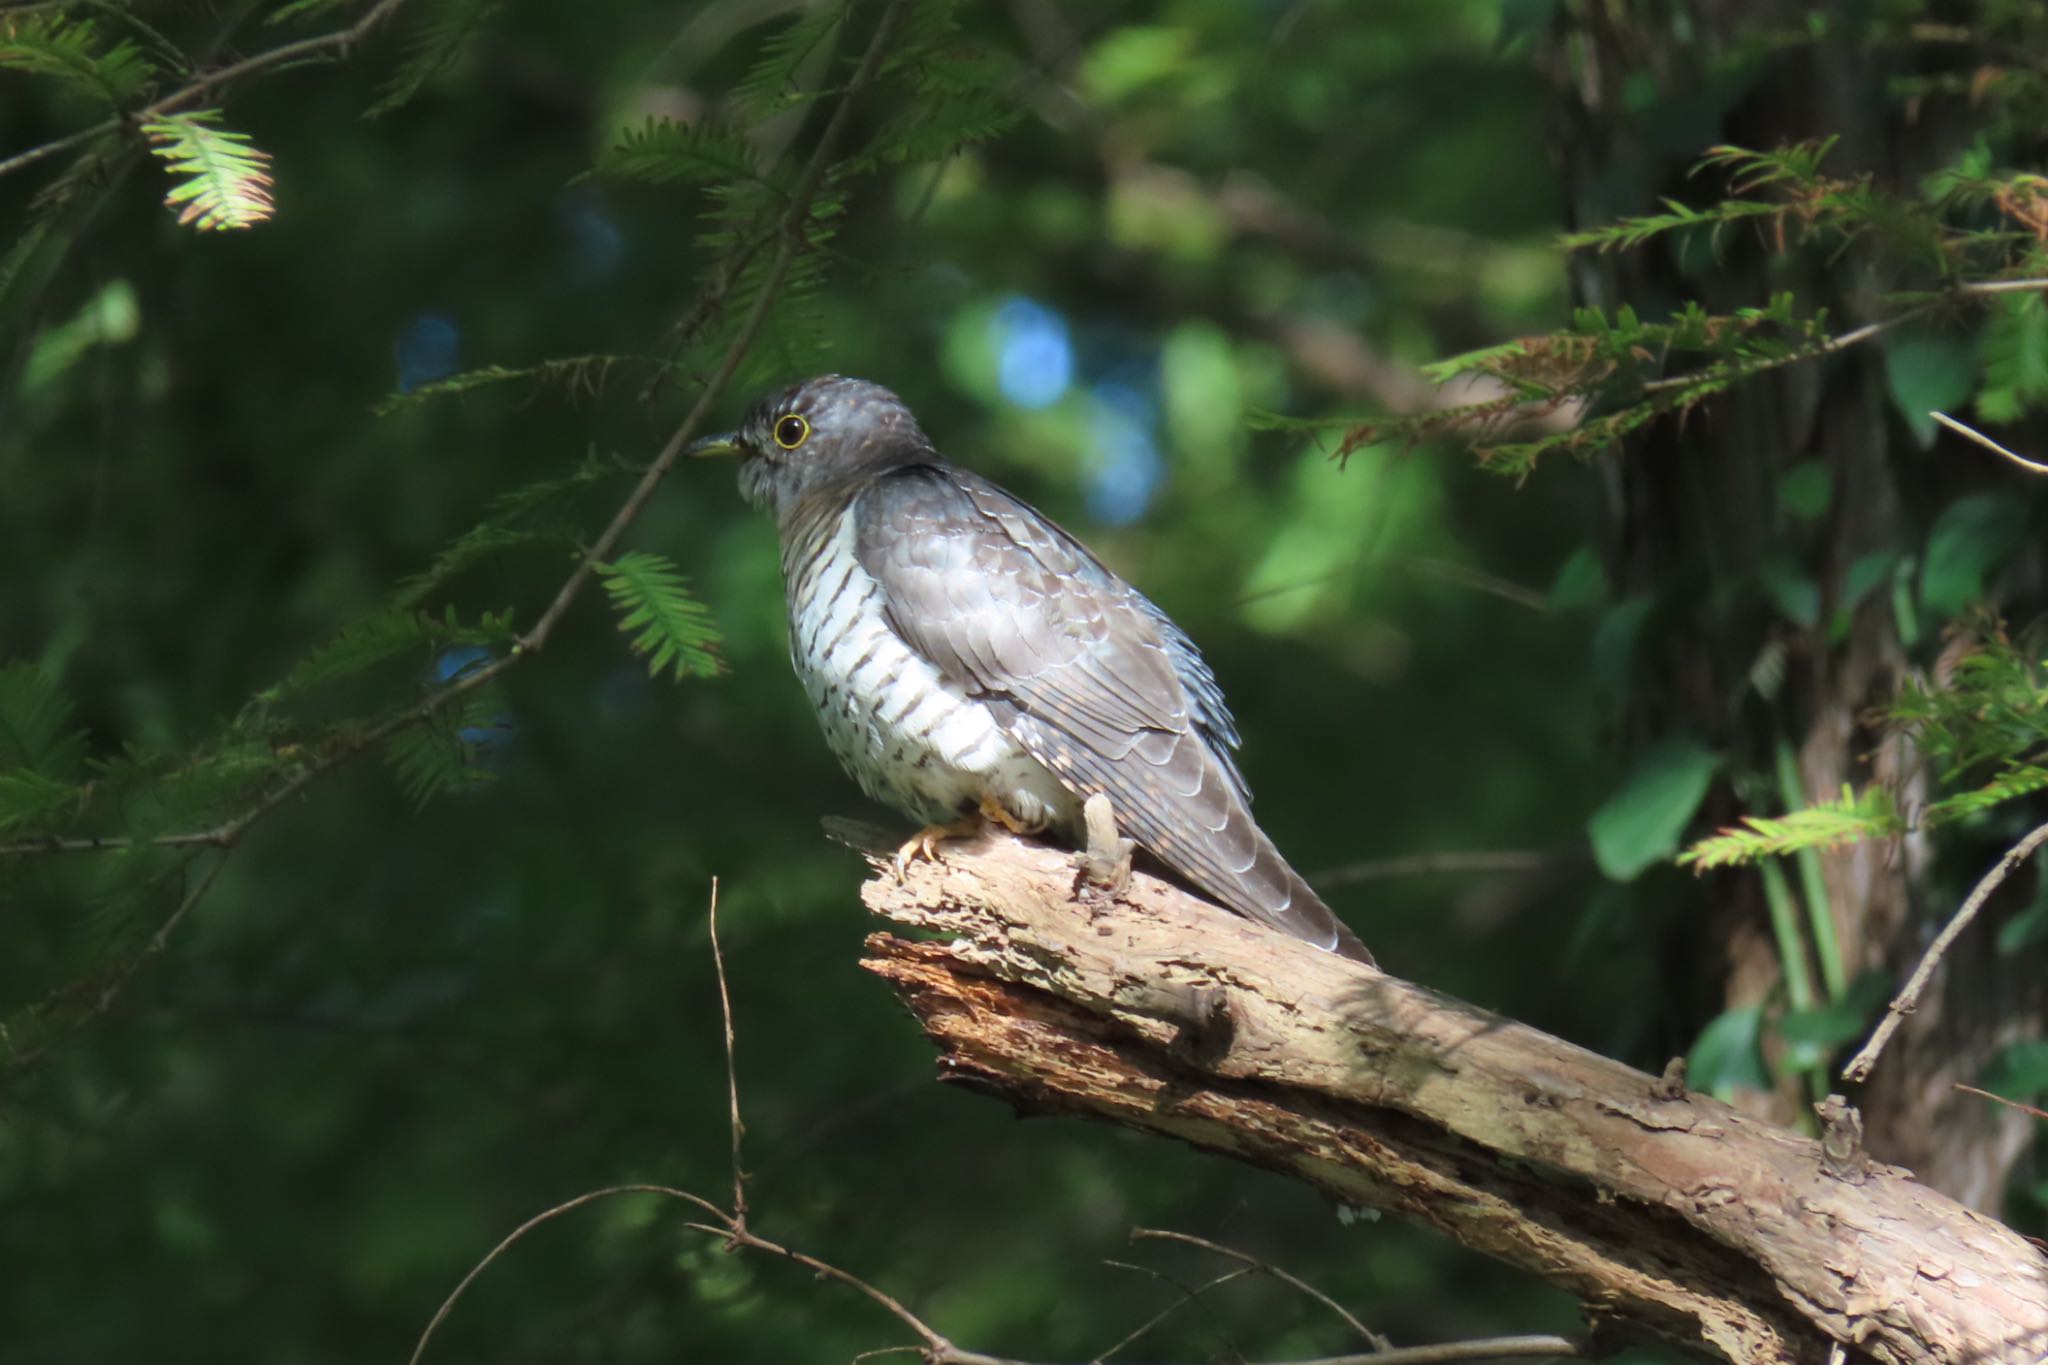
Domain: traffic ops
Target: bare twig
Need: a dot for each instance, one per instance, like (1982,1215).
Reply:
(1251,1262)
(566,1206)
(1855,336)
(730,1228)
(1481,1348)
(1859,1065)
(335,44)
(1188,1294)
(1971,433)
(2000,1099)
(935,1344)
(1869,331)
(732,1075)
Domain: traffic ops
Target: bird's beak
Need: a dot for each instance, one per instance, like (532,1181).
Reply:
(723,443)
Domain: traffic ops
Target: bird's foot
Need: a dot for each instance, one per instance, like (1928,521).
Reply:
(925,843)
(1106,861)
(995,813)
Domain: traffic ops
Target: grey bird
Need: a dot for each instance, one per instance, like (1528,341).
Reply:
(968,658)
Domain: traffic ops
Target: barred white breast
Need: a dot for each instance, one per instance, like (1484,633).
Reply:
(911,739)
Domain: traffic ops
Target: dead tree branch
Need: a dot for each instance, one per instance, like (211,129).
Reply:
(1672,1216)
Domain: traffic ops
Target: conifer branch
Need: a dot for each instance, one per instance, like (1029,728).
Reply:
(322,47)
(792,239)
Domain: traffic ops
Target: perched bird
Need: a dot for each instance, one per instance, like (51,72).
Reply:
(969,659)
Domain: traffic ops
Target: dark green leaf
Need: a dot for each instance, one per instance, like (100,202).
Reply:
(1726,1057)
(1804,490)
(2019,1071)
(1973,536)
(1641,824)
(1928,371)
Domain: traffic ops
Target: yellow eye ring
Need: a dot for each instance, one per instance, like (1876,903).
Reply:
(791,430)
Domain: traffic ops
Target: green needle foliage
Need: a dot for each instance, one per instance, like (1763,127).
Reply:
(670,627)
(68,49)
(223,179)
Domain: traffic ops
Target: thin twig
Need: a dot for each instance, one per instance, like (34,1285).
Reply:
(1859,1065)
(800,207)
(2000,1099)
(1188,1294)
(1245,1258)
(229,832)
(2027,286)
(447,1304)
(1481,1348)
(737,1236)
(732,1076)
(1856,336)
(1971,433)
(336,44)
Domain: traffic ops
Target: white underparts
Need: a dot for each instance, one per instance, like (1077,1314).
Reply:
(910,737)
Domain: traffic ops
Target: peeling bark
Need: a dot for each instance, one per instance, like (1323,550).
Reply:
(1672,1216)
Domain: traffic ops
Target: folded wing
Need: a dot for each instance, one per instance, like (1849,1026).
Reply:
(1091,678)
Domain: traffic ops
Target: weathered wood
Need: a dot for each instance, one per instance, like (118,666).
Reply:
(1668,1213)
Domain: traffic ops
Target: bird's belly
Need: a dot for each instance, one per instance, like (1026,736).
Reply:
(910,737)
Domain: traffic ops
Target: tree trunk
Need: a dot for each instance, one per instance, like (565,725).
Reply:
(1697,524)
(1673,1217)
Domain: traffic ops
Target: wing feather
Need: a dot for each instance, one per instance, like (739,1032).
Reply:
(1089,676)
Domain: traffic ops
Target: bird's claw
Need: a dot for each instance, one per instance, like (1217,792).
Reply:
(925,843)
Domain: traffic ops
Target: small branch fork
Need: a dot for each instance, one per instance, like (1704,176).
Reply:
(1869,331)
(730,1227)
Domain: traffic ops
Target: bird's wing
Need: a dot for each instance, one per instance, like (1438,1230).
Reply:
(1091,678)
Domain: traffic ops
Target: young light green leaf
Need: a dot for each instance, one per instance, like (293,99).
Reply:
(675,631)
(223,180)
(1869,816)
(2019,779)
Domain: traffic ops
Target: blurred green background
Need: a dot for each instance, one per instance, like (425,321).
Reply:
(387,1036)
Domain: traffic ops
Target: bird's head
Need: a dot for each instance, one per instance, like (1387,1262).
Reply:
(814,433)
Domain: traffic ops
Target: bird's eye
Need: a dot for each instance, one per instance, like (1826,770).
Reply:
(790,431)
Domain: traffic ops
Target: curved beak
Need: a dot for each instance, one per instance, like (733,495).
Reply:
(723,443)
